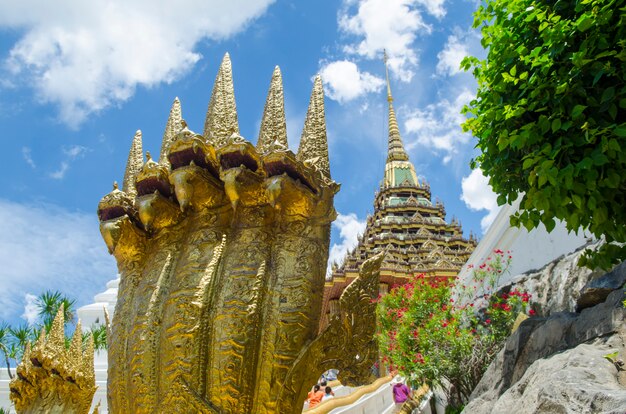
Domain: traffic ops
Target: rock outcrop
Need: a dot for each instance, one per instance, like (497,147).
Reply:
(565,363)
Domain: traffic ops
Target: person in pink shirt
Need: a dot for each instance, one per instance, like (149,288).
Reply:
(400,392)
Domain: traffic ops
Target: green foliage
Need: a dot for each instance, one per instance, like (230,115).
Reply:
(550,114)
(428,339)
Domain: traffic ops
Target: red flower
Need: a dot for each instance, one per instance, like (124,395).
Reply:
(531,312)
(488,321)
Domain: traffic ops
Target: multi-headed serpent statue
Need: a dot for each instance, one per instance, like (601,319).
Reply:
(222,249)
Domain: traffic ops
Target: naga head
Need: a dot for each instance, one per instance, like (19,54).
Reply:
(119,220)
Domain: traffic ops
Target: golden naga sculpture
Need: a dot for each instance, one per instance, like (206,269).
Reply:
(52,378)
(222,249)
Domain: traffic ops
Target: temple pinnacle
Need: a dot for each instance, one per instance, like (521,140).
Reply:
(396,150)
(273,125)
(133,165)
(314,142)
(221,118)
(173,126)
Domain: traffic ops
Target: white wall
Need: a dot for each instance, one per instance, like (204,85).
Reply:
(530,250)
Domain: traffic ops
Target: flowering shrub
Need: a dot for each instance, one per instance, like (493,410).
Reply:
(428,339)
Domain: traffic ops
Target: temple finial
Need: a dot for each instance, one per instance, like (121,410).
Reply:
(133,165)
(385,58)
(221,118)
(273,125)
(314,142)
(173,126)
(396,150)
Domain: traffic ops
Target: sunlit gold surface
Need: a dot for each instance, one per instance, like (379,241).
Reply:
(222,278)
(53,379)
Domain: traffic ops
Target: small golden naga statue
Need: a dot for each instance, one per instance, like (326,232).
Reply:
(222,249)
(53,378)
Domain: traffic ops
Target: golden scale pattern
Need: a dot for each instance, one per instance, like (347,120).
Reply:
(222,249)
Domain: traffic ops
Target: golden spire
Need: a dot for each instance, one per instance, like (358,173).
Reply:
(76,346)
(56,336)
(133,165)
(396,150)
(172,127)
(314,143)
(221,118)
(87,367)
(273,124)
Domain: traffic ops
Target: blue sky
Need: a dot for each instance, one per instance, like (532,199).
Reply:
(77,79)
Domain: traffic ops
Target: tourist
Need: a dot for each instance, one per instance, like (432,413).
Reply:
(400,392)
(328,394)
(324,384)
(315,396)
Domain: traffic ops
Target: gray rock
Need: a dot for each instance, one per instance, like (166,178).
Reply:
(543,351)
(596,290)
(576,381)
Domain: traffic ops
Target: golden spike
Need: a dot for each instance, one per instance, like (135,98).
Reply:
(133,165)
(86,366)
(221,118)
(173,127)
(41,341)
(27,352)
(75,352)
(314,143)
(273,124)
(56,336)
(395,150)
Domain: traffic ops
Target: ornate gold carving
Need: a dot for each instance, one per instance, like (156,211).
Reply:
(222,272)
(221,118)
(172,128)
(216,307)
(52,378)
(313,148)
(273,125)
(133,165)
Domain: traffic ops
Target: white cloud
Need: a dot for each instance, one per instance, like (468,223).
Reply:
(390,25)
(27,154)
(87,55)
(438,126)
(451,56)
(45,247)
(343,81)
(75,151)
(350,227)
(478,195)
(434,7)
(71,153)
(31,310)
(60,173)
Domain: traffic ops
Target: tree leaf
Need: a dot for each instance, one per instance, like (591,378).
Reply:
(578,110)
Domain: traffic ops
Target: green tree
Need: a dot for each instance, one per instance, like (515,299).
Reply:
(48,304)
(5,345)
(549,114)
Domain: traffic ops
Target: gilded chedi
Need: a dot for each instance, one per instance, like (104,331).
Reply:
(222,248)
(406,224)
